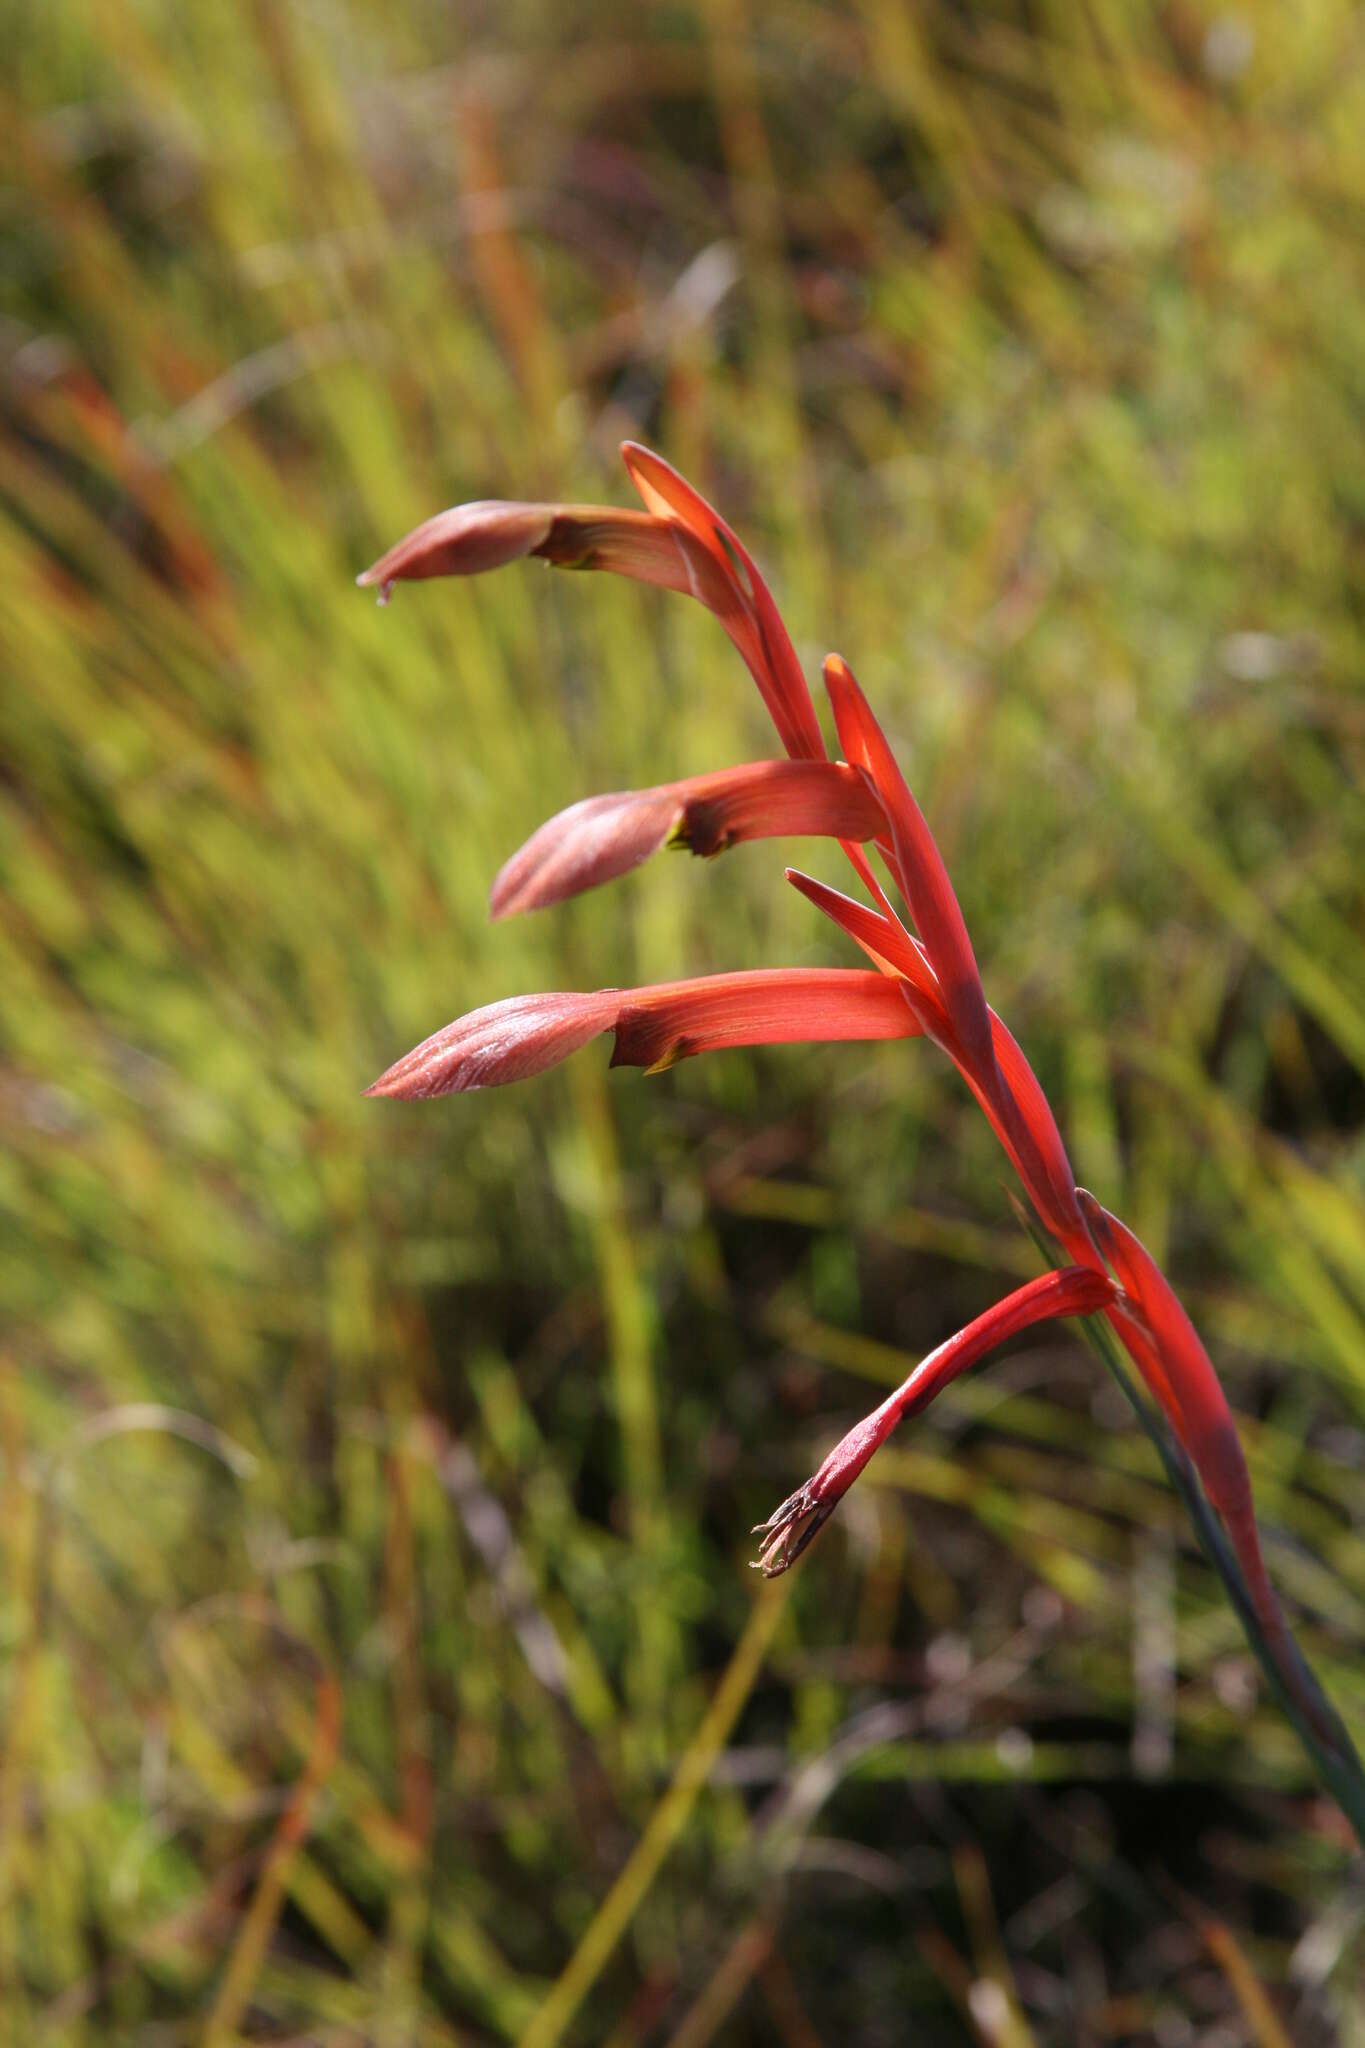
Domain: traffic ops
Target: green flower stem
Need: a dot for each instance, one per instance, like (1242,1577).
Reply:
(1339,1765)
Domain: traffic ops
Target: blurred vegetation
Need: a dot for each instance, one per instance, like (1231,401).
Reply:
(379,1659)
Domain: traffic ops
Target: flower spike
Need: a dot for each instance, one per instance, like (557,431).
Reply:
(924,982)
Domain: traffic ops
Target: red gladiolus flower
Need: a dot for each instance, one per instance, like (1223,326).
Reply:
(654,1027)
(679,543)
(926,980)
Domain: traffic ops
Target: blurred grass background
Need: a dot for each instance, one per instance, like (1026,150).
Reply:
(379,1659)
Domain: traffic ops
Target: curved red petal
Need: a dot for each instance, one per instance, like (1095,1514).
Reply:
(773,661)
(919,865)
(767,1006)
(1209,1430)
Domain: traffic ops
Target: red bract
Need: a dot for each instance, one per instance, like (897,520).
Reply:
(926,980)
(918,867)
(1206,1426)
(776,669)
(883,938)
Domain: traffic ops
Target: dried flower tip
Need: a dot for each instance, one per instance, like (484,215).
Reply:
(789,1530)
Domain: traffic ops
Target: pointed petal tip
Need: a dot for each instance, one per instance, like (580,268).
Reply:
(638,456)
(921,876)
(395,1083)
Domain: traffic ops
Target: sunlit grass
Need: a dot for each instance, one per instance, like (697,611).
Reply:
(1030,361)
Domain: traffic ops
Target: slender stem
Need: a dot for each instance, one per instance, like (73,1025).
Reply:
(1337,1763)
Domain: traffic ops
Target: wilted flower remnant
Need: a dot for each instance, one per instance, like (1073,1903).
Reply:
(923,981)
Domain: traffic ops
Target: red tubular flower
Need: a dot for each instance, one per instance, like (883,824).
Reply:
(1074,1291)
(469,539)
(679,543)
(655,1027)
(605,836)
